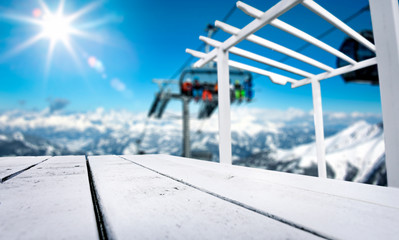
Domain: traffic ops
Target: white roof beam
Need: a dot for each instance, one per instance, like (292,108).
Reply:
(274,77)
(258,58)
(253,12)
(274,46)
(326,15)
(336,72)
(264,19)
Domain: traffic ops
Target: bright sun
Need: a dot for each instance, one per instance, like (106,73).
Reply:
(56,27)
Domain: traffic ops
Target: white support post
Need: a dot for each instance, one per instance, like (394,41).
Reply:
(224,106)
(319,129)
(385,19)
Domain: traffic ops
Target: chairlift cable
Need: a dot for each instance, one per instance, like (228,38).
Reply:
(187,62)
(201,46)
(189,59)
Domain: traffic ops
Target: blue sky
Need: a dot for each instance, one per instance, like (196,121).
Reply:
(132,42)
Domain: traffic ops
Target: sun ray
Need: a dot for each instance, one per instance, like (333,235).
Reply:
(55,27)
(86,35)
(21,47)
(60,9)
(69,47)
(49,56)
(101,21)
(45,7)
(20,18)
(88,8)
(72,52)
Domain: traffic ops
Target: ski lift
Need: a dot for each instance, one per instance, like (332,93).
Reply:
(207,78)
(358,52)
(154,104)
(162,98)
(159,104)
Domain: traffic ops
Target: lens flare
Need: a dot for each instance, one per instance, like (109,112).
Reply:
(96,64)
(37,13)
(92,61)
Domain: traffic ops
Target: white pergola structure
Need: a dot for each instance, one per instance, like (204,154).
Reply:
(385,18)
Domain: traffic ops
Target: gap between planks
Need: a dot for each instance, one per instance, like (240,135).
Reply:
(21,171)
(103,233)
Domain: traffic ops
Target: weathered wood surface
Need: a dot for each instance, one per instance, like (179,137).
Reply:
(49,201)
(140,204)
(10,166)
(334,209)
(160,196)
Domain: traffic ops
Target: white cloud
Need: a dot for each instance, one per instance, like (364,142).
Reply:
(118,85)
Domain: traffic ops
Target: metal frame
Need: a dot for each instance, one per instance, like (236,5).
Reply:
(222,49)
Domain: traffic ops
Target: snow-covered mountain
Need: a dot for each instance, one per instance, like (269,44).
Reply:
(355,148)
(271,139)
(356,153)
(18,144)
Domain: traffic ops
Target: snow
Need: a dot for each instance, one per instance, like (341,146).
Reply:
(254,131)
(10,165)
(162,208)
(49,201)
(161,196)
(18,136)
(335,209)
(3,137)
(360,145)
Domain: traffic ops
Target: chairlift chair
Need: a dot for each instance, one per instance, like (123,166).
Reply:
(358,52)
(208,75)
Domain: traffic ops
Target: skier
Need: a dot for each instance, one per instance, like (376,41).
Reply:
(249,94)
(197,89)
(187,88)
(239,91)
(207,94)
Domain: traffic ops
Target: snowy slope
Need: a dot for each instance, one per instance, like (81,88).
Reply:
(352,153)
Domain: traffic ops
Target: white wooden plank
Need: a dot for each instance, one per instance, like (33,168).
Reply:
(274,77)
(224,115)
(337,209)
(49,201)
(13,165)
(336,22)
(319,129)
(273,46)
(256,13)
(140,204)
(385,19)
(265,18)
(362,192)
(258,58)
